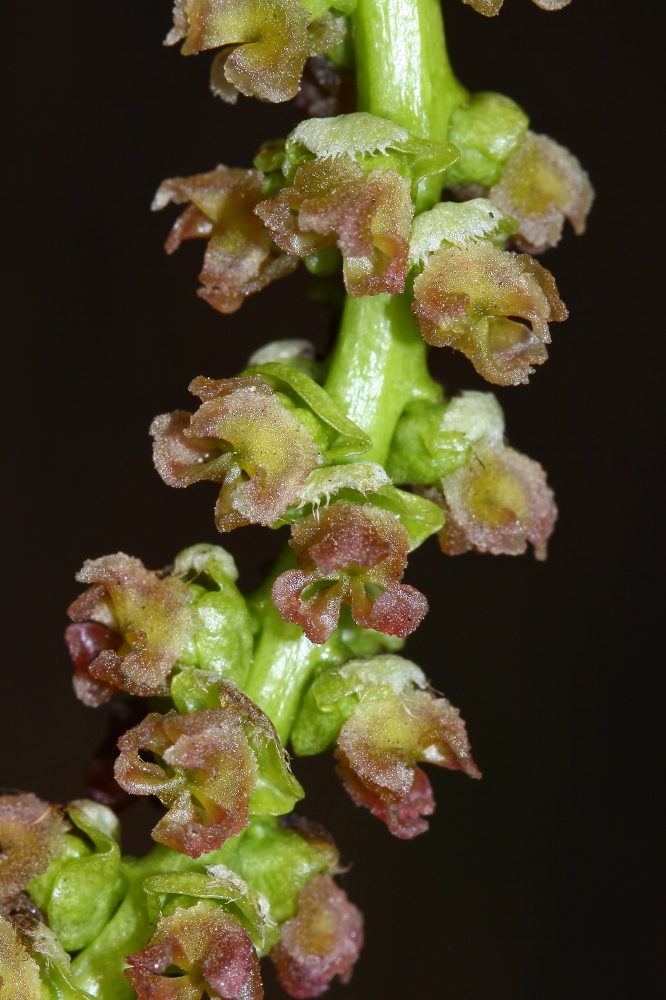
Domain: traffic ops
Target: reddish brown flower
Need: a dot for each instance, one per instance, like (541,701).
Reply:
(32,834)
(541,185)
(333,202)
(275,36)
(322,941)
(240,258)
(209,765)
(496,503)
(243,438)
(386,735)
(349,554)
(467,298)
(212,952)
(131,627)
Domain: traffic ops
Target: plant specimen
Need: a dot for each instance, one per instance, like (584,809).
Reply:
(430,205)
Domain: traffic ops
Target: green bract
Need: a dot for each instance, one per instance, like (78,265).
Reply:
(222,641)
(334,433)
(81,889)
(335,693)
(486,130)
(423,449)
(458,224)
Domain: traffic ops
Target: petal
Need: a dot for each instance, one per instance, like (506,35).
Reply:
(32,834)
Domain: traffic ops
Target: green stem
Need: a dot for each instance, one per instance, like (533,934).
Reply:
(402,66)
(378,366)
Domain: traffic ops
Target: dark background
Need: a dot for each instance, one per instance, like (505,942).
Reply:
(542,880)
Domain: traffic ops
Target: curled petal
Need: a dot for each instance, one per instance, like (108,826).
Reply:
(213,952)
(497,503)
(322,941)
(243,438)
(541,185)
(149,617)
(464,298)
(346,554)
(276,38)
(240,258)
(402,816)
(206,780)
(32,834)
(333,202)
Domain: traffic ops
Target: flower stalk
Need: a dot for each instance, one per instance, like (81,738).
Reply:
(426,202)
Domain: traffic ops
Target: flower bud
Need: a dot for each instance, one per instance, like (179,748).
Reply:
(355,555)
(145,624)
(243,438)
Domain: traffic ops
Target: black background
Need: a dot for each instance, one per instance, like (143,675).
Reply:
(542,880)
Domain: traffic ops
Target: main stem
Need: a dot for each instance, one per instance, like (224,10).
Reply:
(379,361)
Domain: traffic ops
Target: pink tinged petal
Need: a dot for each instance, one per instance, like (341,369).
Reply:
(469,299)
(403,816)
(343,551)
(151,613)
(541,185)
(212,950)
(498,503)
(243,438)
(85,642)
(32,834)
(322,941)
(367,216)
(240,258)
(209,775)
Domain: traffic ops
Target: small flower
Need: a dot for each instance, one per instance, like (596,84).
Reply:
(213,953)
(131,626)
(464,298)
(243,438)
(211,761)
(499,500)
(32,834)
(334,202)
(240,258)
(349,554)
(276,37)
(322,941)
(541,185)
(386,735)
